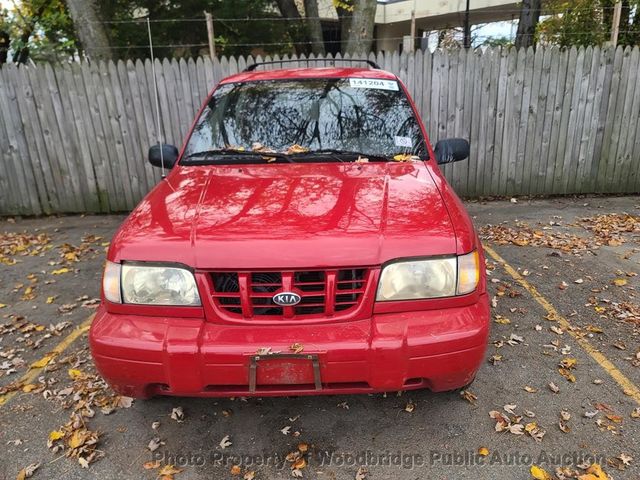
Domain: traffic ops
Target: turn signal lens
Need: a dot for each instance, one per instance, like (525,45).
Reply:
(468,272)
(111,282)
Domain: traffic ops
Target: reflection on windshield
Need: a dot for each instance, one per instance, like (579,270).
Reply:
(317,114)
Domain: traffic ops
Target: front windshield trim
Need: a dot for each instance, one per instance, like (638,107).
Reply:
(420,151)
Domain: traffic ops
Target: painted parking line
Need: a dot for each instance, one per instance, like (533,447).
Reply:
(37,366)
(628,387)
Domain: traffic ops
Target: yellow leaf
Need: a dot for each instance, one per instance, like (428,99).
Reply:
(299,464)
(151,465)
(3,305)
(594,472)
(168,470)
(71,257)
(43,362)
(484,451)
(60,271)
(539,473)
(74,373)
(51,299)
(404,157)
(29,387)
(620,282)
(77,439)
(55,435)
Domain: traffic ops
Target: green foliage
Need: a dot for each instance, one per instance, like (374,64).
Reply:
(498,42)
(343,4)
(588,22)
(40,30)
(233,37)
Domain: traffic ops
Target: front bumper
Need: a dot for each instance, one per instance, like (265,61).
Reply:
(142,356)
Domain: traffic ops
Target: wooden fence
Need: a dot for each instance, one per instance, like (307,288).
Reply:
(73,137)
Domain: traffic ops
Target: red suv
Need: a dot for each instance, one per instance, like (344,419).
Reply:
(304,242)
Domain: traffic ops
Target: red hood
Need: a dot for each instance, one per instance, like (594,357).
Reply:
(288,216)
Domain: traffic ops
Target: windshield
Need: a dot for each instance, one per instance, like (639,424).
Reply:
(368,116)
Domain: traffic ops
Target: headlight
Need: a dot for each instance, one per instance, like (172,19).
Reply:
(432,278)
(150,285)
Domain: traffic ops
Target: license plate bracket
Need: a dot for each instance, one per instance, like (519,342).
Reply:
(255,359)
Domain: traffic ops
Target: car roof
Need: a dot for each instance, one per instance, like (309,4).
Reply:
(306,73)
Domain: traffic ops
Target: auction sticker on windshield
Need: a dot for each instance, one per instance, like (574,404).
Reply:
(373,83)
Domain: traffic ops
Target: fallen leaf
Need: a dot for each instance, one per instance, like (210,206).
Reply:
(43,362)
(296,348)
(26,472)
(236,470)
(299,464)
(468,396)
(224,443)
(410,406)
(594,472)
(361,474)
(151,465)
(168,471)
(154,444)
(556,330)
(177,414)
(539,473)
(625,459)
(553,387)
(483,451)
(620,282)
(60,271)
(405,157)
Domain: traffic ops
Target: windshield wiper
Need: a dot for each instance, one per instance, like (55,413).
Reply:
(335,153)
(235,156)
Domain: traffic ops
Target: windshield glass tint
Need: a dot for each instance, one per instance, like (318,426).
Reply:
(341,114)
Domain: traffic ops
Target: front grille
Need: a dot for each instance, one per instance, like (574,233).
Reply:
(322,292)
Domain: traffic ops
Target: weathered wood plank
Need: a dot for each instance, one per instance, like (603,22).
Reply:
(561,153)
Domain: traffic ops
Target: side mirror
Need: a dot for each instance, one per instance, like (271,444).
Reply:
(169,155)
(451,150)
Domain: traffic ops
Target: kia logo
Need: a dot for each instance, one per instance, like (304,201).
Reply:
(286,299)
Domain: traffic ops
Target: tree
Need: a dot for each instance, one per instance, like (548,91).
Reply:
(529,18)
(314,27)
(5,39)
(90,28)
(588,22)
(242,27)
(357,19)
(289,10)
(37,30)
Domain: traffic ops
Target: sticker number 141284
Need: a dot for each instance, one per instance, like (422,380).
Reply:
(373,83)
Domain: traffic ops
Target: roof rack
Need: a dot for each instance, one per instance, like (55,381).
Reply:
(371,63)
